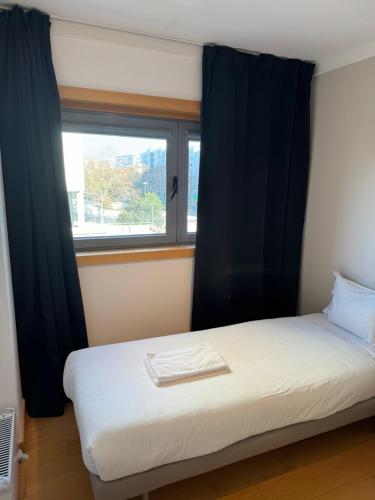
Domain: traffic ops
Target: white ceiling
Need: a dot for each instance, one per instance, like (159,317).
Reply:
(332,32)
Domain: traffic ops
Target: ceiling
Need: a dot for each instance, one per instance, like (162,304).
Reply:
(321,30)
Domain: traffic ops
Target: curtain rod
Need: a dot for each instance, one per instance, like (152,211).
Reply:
(144,33)
(108,27)
(10,7)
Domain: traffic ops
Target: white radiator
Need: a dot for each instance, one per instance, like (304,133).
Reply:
(7,455)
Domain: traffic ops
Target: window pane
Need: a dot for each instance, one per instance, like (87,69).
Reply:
(116,184)
(194,153)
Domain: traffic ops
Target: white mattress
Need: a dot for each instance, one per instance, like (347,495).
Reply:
(283,371)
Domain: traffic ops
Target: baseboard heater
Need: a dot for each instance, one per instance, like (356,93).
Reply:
(7,454)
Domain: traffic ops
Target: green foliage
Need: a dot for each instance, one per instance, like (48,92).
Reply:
(143,209)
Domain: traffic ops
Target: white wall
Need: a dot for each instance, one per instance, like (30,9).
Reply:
(86,56)
(10,392)
(340,220)
(136,300)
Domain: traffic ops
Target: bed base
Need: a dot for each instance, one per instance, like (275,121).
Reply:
(144,482)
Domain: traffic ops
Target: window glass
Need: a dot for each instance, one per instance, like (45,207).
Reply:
(132,181)
(193,177)
(116,184)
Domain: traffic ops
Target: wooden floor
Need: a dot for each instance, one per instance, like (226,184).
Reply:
(339,465)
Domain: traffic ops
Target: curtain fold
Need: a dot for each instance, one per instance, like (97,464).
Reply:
(255,122)
(47,297)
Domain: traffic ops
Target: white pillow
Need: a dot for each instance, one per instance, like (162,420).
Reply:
(353,308)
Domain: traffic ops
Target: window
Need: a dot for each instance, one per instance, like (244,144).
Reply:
(131,181)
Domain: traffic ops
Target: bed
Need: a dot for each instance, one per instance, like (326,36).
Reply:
(290,378)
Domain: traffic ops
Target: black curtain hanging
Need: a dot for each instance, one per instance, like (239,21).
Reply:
(252,188)
(47,297)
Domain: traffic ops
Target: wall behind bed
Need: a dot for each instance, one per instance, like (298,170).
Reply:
(340,222)
(137,299)
(142,299)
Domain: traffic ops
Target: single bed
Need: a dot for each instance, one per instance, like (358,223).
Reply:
(290,378)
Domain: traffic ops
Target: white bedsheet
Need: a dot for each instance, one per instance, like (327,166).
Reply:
(283,371)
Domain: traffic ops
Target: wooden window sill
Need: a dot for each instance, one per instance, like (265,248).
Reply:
(132,104)
(134,255)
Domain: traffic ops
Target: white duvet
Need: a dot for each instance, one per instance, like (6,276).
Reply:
(283,371)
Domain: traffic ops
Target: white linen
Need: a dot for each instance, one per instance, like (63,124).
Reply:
(353,308)
(283,371)
(182,364)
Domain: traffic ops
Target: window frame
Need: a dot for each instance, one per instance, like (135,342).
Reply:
(174,131)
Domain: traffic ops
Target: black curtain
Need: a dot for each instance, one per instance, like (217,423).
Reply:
(47,297)
(252,186)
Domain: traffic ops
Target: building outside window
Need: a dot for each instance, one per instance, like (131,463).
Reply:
(131,181)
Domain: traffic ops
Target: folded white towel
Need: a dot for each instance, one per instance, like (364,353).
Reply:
(175,366)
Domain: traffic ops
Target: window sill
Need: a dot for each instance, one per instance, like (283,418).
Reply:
(138,255)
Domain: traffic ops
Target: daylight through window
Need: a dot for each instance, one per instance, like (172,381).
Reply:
(125,184)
